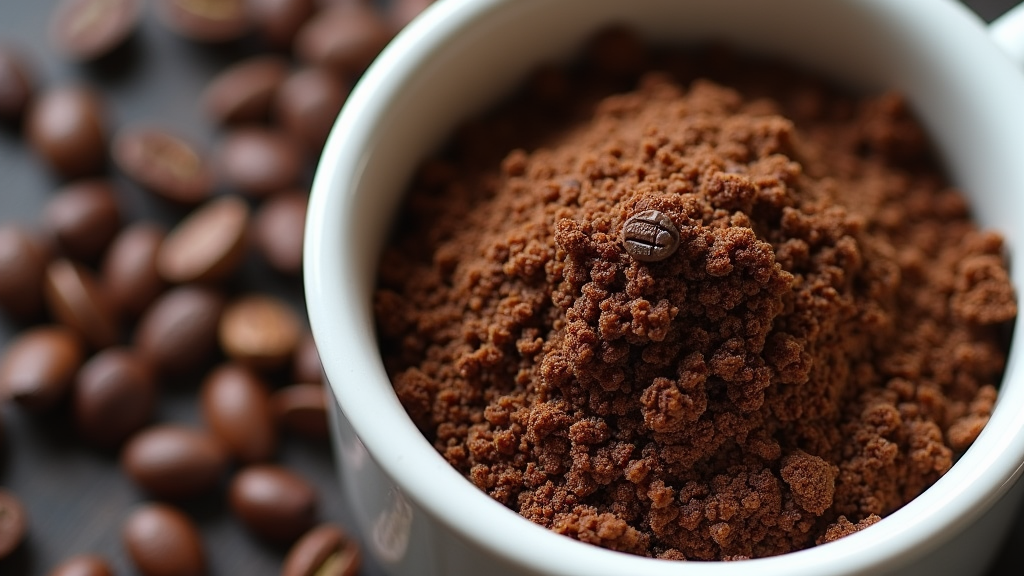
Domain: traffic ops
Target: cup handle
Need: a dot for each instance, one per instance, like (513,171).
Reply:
(1007,32)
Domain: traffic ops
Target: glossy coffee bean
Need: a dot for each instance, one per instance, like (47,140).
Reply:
(273,502)
(277,230)
(244,91)
(302,410)
(208,245)
(23,260)
(324,550)
(113,396)
(178,332)
(259,331)
(163,541)
(65,127)
(306,366)
(89,29)
(163,163)
(307,104)
(174,462)
(129,271)
(83,217)
(344,38)
(205,20)
(38,366)
(278,21)
(13,523)
(83,565)
(259,162)
(16,84)
(77,299)
(236,408)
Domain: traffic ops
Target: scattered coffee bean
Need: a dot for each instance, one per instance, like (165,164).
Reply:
(401,12)
(324,550)
(89,29)
(164,164)
(178,332)
(163,541)
(273,502)
(236,408)
(23,260)
(205,20)
(302,410)
(208,245)
(76,298)
(306,105)
(243,92)
(114,395)
(650,236)
(344,38)
(278,21)
(13,523)
(16,88)
(306,366)
(278,227)
(65,127)
(129,268)
(38,366)
(174,462)
(83,217)
(83,565)
(259,331)
(259,162)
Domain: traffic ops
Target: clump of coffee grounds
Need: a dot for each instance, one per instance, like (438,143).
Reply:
(825,341)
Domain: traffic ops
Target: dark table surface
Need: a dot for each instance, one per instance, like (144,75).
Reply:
(77,497)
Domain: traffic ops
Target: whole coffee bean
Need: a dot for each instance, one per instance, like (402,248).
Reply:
(259,162)
(89,29)
(83,217)
(13,523)
(278,21)
(243,92)
(323,551)
(163,163)
(236,408)
(16,84)
(83,565)
(306,105)
(205,20)
(302,409)
(129,268)
(78,300)
(259,331)
(23,260)
(306,366)
(401,12)
(178,332)
(274,503)
(114,395)
(277,230)
(345,38)
(38,366)
(65,127)
(650,236)
(208,245)
(174,462)
(163,541)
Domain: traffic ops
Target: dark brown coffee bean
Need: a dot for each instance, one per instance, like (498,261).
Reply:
(174,462)
(205,20)
(65,126)
(306,366)
(13,523)
(16,85)
(114,395)
(324,550)
(178,332)
(83,565)
(236,408)
(259,331)
(129,268)
(164,164)
(345,38)
(402,12)
(259,162)
(208,245)
(302,410)
(79,301)
(163,541)
(650,236)
(278,21)
(274,503)
(307,105)
(278,227)
(244,91)
(83,217)
(23,260)
(37,368)
(89,29)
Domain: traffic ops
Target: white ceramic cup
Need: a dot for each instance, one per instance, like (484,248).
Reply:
(416,514)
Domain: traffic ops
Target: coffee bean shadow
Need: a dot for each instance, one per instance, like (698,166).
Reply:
(118,65)
(20,561)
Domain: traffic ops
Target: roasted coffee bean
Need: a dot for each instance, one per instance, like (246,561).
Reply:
(174,462)
(273,502)
(13,523)
(306,366)
(205,20)
(402,12)
(259,162)
(302,409)
(244,91)
(89,29)
(129,268)
(259,331)
(164,164)
(65,126)
(23,260)
(83,217)
(236,408)
(16,85)
(178,332)
(38,366)
(278,21)
(344,38)
(208,245)
(306,105)
(277,230)
(76,298)
(650,236)
(324,550)
(163,541)
(114,395)
(83,565)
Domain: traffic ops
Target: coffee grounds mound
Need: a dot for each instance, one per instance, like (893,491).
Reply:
(825,341)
